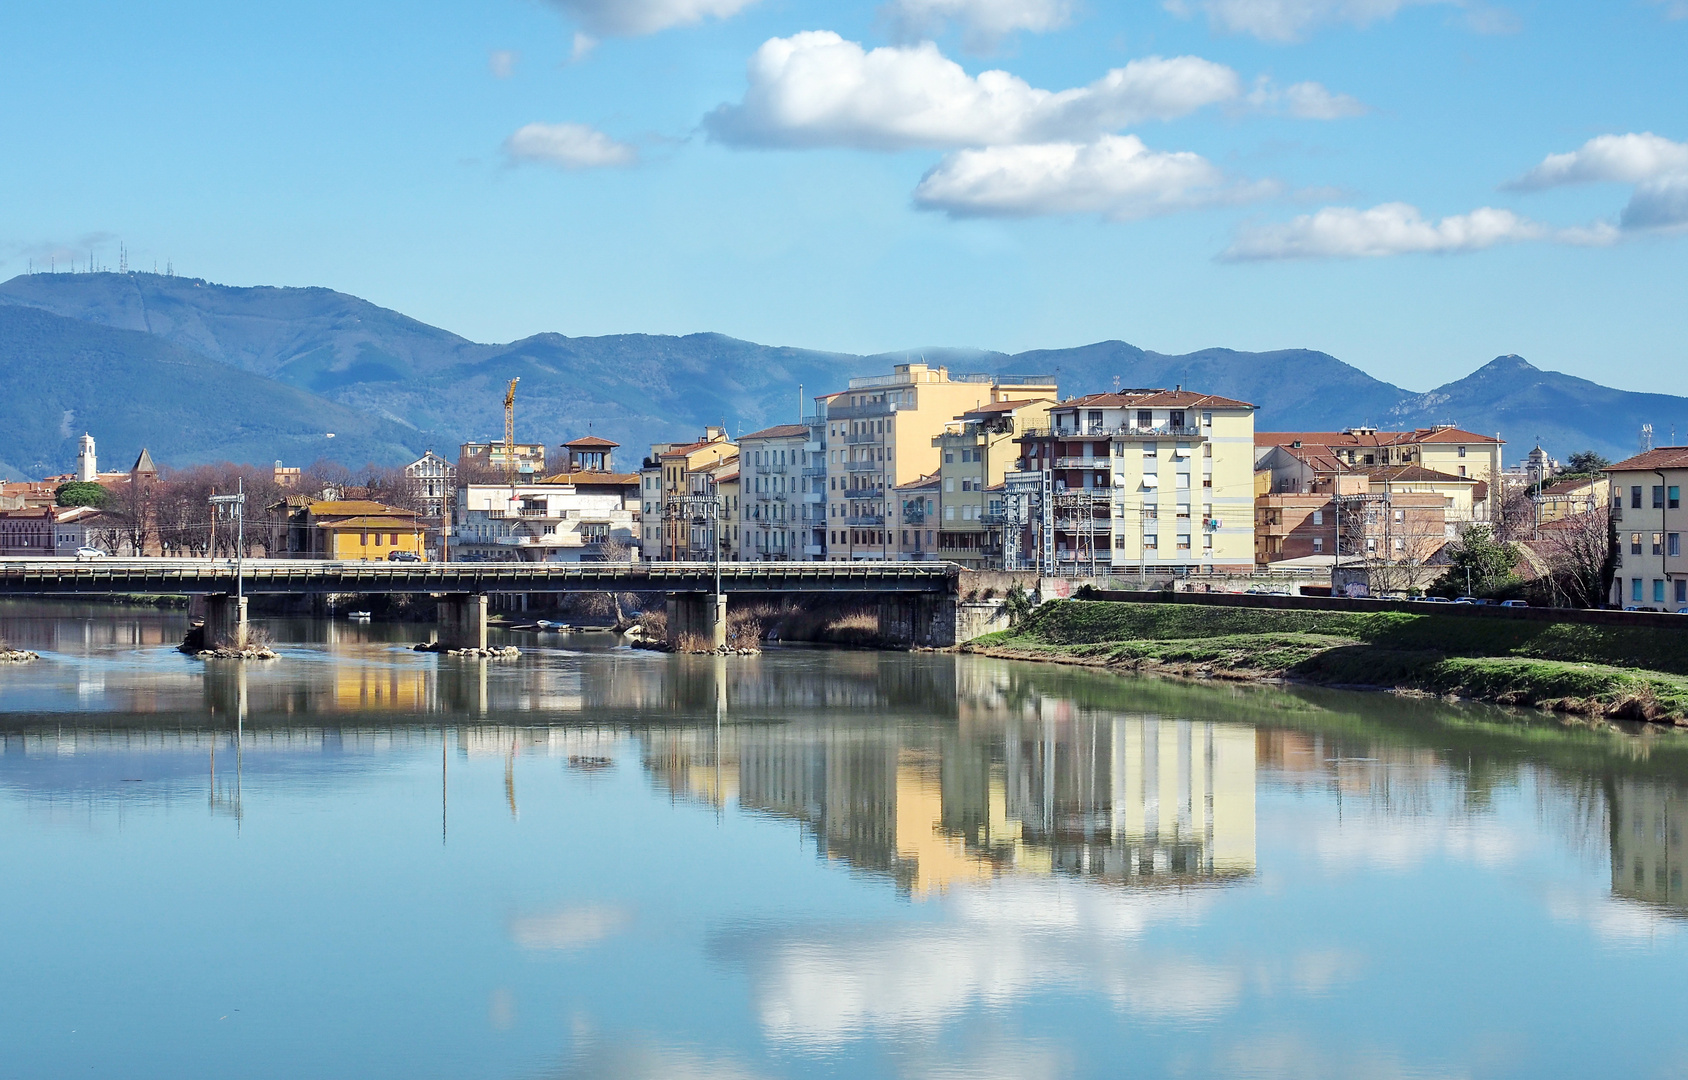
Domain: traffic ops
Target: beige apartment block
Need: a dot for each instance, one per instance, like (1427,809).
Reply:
(675,485)
(915,511)
(1650,521)
(1151,481)
(977,450)
(879,434)
(772,512)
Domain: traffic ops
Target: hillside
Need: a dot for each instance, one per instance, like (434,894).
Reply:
(639,388)
(60,377)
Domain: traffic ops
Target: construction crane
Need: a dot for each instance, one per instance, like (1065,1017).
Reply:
(510,426)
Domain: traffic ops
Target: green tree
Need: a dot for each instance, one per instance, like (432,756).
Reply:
(80,493)
(1586,461)
(1480,562)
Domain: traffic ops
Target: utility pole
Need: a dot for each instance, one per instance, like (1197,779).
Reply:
(237,507)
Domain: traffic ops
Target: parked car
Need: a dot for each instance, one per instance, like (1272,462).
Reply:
(1434,600)
(89,553)
(1465,599)
(1484,602)
(403,556)
(1514,603)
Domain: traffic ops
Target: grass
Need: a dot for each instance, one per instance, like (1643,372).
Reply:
(1636,673)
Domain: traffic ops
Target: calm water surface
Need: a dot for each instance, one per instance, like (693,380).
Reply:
(362,861)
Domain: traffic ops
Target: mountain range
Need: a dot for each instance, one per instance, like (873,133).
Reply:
(199,372)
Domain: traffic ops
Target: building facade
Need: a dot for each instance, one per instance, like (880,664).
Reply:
(1442,449)
(1648,517)
(976,452)
(587,513)
(1151,481)
(679,507)
(520,459)
(774,478)
(880,434)
(352,530)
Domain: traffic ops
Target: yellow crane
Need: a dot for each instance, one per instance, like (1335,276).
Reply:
(510,426)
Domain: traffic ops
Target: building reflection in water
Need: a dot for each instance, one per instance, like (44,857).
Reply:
(1126,799)
(1647,823)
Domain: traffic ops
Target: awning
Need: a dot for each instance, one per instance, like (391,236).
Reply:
(1151,481)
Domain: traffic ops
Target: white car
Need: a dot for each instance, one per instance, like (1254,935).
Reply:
(89,553)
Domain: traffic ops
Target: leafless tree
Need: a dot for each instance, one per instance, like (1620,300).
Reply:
(1579,555)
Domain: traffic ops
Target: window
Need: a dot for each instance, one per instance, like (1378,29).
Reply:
(1635,543)
(1150,449)
(949,457)
(1681,591)
(1658,496)
(1658,544)
(1462,470)
(1635,497)
(1151,541)
(1318,519)
(1673,498)
(1183,541)
(1400,516)
(1400,544)
(1371,543)
(1658,590)
(1635,590)
(1145,418)
(1318,544)
(1462,454)
(1673,545)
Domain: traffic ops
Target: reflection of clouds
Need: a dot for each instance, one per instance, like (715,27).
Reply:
(991,1058)
(1003,943)
(1614,921)
(569,928)
(1291,1057)
(636,1058)
(1406,845)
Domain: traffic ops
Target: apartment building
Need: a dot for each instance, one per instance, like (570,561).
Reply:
(977,450)
(1648,515)
(879,434)
(570,517)
(1152,481)
(520,459)
(915,511)
(771,516)
(674,488)
(1443,449)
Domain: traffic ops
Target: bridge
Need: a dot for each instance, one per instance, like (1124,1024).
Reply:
(918,596)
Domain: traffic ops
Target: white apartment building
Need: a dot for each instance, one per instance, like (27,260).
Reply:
(772,481)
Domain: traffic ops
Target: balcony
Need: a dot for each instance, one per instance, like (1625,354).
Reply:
(1084,463)
(860,437)
(858,412)
(993,519)
(865,519)
(814,470)
(1121,431)
(770,470)
(814,549)
(912,516)
(863,466)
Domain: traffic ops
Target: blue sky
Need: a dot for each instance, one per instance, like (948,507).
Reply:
(1414,187)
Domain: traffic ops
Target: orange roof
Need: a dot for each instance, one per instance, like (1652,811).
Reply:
(1409,474)
(929,480)
(1001,407)
(591,442)
(380,524)
(779,431)
(692,448)
(1135,399)
(1664,457)
(357,507)
(1370,437)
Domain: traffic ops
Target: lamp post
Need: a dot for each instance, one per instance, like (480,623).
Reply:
(237,506)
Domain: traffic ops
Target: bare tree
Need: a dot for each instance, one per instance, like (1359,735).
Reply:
(1579,554)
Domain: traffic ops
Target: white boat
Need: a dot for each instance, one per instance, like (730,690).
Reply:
(360,616)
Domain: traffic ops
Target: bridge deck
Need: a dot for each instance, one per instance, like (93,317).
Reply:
(49,577)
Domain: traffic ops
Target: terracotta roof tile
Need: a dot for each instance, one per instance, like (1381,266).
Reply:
(779,431)
(1664,457)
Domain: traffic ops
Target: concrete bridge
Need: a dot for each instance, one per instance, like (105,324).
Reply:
(918,600)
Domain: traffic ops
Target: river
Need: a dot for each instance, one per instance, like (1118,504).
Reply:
(363,861)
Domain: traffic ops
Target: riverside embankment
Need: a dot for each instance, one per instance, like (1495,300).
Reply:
(1621,672)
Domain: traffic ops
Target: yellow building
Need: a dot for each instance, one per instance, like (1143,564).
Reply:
(676,487)
(1650,521)
(1144,480)
(879,435)
(1570,498)
(1441,449)
(355,530)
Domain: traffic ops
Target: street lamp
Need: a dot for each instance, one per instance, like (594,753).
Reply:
(236,505)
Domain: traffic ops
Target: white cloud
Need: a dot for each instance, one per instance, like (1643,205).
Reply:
(1658,204)
(1674,9)
(817,89)
(568,146)
(1290,20)
(502,63)
(582,47)
(629,18)
(1115,176)
(983,23)
(1304,101)
(1628,159)
(1389,229)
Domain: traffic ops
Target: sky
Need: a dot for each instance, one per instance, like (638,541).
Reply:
(1415,186)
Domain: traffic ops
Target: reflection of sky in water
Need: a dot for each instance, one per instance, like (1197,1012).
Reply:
(876,866)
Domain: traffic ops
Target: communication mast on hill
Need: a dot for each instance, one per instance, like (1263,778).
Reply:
(1646,437)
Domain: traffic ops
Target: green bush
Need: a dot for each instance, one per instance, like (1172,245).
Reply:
(80,493)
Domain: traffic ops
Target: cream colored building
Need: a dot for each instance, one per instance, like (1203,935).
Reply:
(1650,520)
(915,518)
(672,486)
(771,510)
(879,434)
(1144,480)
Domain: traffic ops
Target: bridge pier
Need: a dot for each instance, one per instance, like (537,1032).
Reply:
(462,619)
(225,621)
(697,615)
(918,620)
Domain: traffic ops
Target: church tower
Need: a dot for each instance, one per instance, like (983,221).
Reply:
(86,467)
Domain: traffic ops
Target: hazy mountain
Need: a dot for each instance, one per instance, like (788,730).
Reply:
(60,377)
(434,389)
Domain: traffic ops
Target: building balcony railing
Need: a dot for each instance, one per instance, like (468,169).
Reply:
(1121,431)
(814,470)
(993,519)
(1084,463)
(857,412)
(770,470)
(856,438)
(863,466)
(912,516)
(865,519)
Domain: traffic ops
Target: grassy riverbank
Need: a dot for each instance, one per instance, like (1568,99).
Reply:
(1622,672)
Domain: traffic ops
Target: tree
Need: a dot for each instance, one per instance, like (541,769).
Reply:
(1478,561)
(1586,461)
(1579,552)
(80,493)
